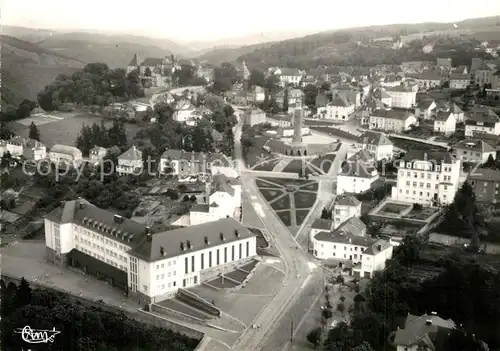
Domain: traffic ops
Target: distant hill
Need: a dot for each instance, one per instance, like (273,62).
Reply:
(27,68)
(219,55)
(114,50)
(342,47)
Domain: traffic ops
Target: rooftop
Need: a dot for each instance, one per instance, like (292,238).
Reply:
(485,174)
(66,149)
(431,156)
(443,116)
(132,154)
(374,138)
(474,145)
(358,169)
(347,200)
(187,240)
(421,329)
(324,224)
(107,223)
(215,158)
(391,114)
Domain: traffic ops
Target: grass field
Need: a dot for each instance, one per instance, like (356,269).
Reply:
(65,131)
(285,217)
(267,165)
(263,184)
(255,153)
(324,162)
(298,165)
(281,204)
(304,200)
(286,181)
(407,145)
(300,215)
(269,194)
(311,187)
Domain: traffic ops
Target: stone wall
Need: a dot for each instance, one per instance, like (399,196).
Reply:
(214,272)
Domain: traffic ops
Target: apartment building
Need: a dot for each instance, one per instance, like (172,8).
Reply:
(459,81)
(486,185)
(402,96)
(64,155)
(396,121)
(483,75)
(427,178)
(445,122)
(473,151)
(148,266)
(339,109)
(30,149)
(345,207)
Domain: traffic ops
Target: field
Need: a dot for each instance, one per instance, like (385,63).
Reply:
(282,203)
(65,130)
(394,208)
(298,165)
(301,215)
(324,162)
(271,194)
(285,217)
(413,145)
(304,199)
(266,165)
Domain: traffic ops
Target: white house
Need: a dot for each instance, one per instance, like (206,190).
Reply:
(367,255)
(402,97)
(377,144)
(30,149)
(340,109)
(427,178)
(346,206)
(392,120)
(130,162)
(420,332)
(256,95)
(425,109)
(482,121)
(65,155)
(187,164)
(473,150)
(428,80)
(222,200)
(356,176)
(149,266)
(97,154)
(183,111)
(289,76)
(392,80)
(445,122)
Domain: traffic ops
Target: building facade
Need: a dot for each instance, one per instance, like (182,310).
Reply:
(427,178)
(445,123)
(396,121)
(65,155)
(130,162)
(345,207)
(183,164)
(377,144)
(149,266)
(402,97)
(473,151)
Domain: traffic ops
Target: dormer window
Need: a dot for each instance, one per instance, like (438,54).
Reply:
(408,165)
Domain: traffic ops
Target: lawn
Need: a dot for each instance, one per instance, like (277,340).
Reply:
(391,207)
(310,187)
(304,200)
(270,194)
(285,217)
(256,152)
(263,184)
(422,214)
(300,215)
(324,162)
(281,204)
(261,239)
(335,132)
(298,165)
(286,181)
(65,131)
(407,145)
(267,165)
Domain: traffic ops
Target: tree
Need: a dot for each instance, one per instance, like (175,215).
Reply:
(23,295)
(257,77)
(490,162)
(363,347)
(310,92)
(324,213)
(34,133)
(314,336)
(341,308)
(339,338)
(340,279)
(285,100)
(25,108)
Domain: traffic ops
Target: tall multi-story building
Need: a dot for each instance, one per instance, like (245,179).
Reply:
(486,185)
(149,266)
(427,178)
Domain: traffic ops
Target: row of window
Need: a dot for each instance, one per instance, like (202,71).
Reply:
(420,193)
(162,276)
(98,237)
(101,248)
(218,260)
(162,265)
(415,184)
(163,286)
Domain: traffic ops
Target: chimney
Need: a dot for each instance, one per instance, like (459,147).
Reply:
(162,251)
(428,322)
(222,236)
(434,313)
(379,247)
(206,241)
(81,205)
(118,218)
(182,246)
(236,233)
(148,237)
(148,230)
(188,243)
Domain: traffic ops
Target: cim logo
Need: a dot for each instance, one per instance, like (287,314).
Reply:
(37,336)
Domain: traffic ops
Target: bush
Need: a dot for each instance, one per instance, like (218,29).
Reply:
(417,207)
(314,336)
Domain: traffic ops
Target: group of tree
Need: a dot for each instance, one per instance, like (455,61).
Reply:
(34,133)
(224,77)
(187,76)
(100,135)
(82,327)
(10,112)
(95,84)
(465,292)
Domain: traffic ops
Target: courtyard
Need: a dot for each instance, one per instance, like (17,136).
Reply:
(291,199)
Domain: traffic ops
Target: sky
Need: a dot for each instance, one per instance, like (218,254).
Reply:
(206,20)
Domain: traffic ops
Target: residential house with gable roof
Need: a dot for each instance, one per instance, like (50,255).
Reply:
(459,81)
(256,95)
(30,149)
(422,332)
(222,200)
(427,178)
(349,92)
(473,151)
(320,225)
(155,70)
(150,267)
(345,207)
(357,174)
(377,144)
(184,111)
(392,120)
(445,122)
(349,245)
(427,80)
(253,116)
(339,109)
(130,162)
(97,154)
(289,76)
(294,96)
(481,120)
(425,109)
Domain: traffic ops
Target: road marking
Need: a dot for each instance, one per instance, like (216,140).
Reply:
(305,282)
